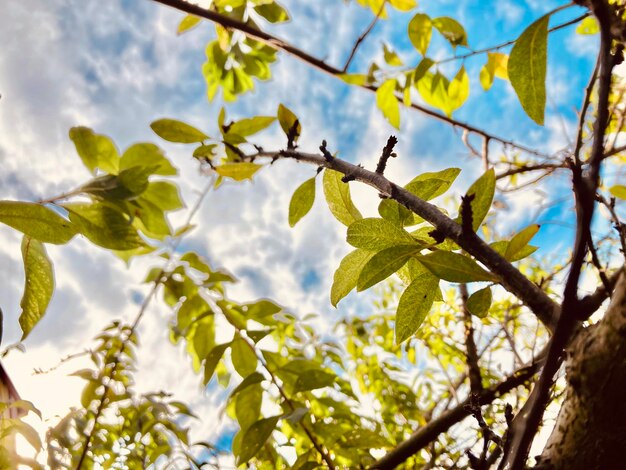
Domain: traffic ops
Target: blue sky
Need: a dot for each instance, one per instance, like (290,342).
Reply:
(118,65)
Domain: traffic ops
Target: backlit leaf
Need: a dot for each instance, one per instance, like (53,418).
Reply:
(454,267)
(496,66)
(272,12)
(391,57)
(420,32)
(250,126)
(618,191)
(483,191)
(348,273)
(187,23)
(519,241)
(95,150)
(212,359)
(383,264)
(479,302)
(147,155)
(451,29)
(414,305)
(338,198)
(37,221)
(377,234)
(313,379)
(104,225)
(243,357)
(527,68)
(286,119)
(173,130)
(301,201)
(38,286)
(388,103)
(238,171)
(255,438)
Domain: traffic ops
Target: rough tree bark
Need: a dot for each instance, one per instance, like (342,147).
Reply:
(590,430)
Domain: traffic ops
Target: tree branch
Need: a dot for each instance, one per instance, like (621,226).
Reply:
(362,37)
(526,424)
(510,277)
(279,44)
(434,428)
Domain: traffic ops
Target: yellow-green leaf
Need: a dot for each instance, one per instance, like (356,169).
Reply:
(420,32)
(212,359)
(391,57)
(479,302)
(453,267)
(250,126)
(414,305)
(348,273)
(272,12)
(38,286)
(496,66)
(187,23)
(618,191)
(459,89)
(238,171)
(519,241)
(104,225)
(255,437)
(243,357)
(147,155)
(337,194)
(301,201)
(375,234)
(383,264)
(527,68)
(286,119)
(451,29)
(354,78)
(403,5)
(588,26)
(95,150)
(388,103)
(483,191)
(173,130)
(37,221)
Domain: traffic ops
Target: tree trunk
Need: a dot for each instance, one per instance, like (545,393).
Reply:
(590,430)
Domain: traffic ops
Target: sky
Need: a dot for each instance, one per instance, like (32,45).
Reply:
(118,65)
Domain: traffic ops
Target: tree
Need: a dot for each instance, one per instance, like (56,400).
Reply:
(459,362)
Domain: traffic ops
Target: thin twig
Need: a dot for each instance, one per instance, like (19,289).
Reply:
(362,37)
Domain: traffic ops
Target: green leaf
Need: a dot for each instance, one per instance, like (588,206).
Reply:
(420,32)
(527,68)
(588,26)
(391,57)
(519,241)
(403,5)
(451,29)
(459,89)
(248,405)
(129,184)
(338,198)
(238,171)
(496,66)
(301,201)
(618,191)
(429,185)
(383,264)
(388,103)
(453,267)
(243,357)
(254,378)
(396,213)
(37,221)
(483,191)
(38,286)
(421,69)
(95,150)
(414,305)
(250,126)
(348,273)
(353,78)
(272,12)
(313,379)
(164,195)
(187,23)
(255,438)
(433,88)
(286,119)
(104,225)
(377,234)
(212,359)
(177,131)
(147,155)
(479,302)
(502,245)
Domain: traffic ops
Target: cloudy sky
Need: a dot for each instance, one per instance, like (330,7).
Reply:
(118,65)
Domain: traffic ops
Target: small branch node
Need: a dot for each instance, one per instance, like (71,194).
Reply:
(327,155)
(387,153)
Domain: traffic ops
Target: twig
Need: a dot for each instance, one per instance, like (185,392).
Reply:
(362,37)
